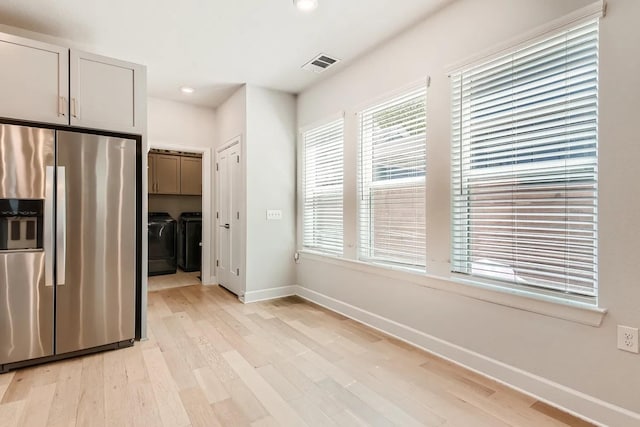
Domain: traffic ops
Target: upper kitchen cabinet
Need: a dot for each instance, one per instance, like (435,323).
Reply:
(41,82)
(106,93)
(191,176)
(34,80)
(174,173)
(164,174)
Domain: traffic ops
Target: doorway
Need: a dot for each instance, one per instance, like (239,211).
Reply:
(228,219)
(179,206)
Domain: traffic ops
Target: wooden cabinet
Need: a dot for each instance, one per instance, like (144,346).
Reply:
(174,174)
(191,176)
(106,93)
(34,80)
(45,83)
(151,173)
(164,174)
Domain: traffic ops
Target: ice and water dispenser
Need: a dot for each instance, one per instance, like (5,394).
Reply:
(21,224)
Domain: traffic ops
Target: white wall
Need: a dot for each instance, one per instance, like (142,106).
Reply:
(265,120)
(232,117)
(176,123)
(271,176)
(555,359)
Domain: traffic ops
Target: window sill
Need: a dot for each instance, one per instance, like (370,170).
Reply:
(530,301)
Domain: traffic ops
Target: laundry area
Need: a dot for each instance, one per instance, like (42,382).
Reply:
(175,218)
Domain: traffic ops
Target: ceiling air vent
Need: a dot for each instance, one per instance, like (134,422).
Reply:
(320,63)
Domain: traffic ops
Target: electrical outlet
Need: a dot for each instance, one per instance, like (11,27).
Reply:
(628,338)
(274,214)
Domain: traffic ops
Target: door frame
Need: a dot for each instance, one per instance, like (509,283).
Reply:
(206,276)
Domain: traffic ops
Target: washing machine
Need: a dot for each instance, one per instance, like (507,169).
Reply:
(190,241)
(162,244)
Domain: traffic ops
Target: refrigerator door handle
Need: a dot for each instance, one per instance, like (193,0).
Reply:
(61,226)
(48,227)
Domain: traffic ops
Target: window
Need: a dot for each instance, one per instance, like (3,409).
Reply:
(322,187)
(391,181)
(525,129)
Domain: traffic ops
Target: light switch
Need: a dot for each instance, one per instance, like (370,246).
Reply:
(274,214)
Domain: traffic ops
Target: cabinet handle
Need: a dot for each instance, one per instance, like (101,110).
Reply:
(74,108)
(62,103)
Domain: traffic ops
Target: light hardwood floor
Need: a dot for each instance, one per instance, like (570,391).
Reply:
(177,280)
(211,361)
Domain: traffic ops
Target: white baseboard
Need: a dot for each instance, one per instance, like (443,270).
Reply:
(575,402)
(267,294)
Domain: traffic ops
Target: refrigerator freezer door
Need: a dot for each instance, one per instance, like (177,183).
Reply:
(26,302)
(95,304)
(24,155)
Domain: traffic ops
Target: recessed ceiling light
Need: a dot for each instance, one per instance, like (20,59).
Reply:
(187,90)
(306,5)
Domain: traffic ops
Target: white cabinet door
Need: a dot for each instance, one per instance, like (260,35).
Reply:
(34,80)
(106,93)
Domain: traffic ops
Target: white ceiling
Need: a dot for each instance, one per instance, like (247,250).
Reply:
(215,45)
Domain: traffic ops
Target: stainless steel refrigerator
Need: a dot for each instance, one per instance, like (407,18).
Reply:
(67,243)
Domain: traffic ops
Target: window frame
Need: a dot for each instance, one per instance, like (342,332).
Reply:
(457,180)
(324,190)
(366,164)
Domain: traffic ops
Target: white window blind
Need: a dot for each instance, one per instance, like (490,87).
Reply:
(322,188)
(525,169)
(392,168)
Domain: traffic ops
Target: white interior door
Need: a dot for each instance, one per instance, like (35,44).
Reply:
(228,221)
